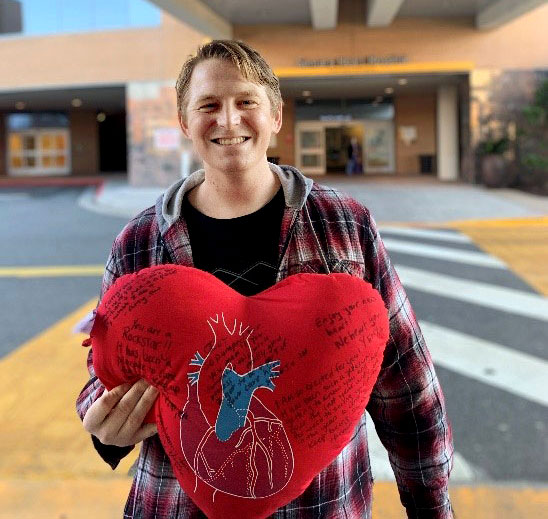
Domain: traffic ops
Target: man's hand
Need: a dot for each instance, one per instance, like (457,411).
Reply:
(116,417)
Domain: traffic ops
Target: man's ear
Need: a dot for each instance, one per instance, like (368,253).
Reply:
(277,119)
(183,125)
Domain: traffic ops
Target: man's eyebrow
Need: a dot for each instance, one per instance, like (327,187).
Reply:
(211,97)
(203,98)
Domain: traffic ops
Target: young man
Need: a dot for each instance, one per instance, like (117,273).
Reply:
(251,224)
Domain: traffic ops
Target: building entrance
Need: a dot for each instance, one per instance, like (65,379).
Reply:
(344,150)
(352,147)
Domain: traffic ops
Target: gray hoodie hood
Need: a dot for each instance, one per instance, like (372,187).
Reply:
(295,185)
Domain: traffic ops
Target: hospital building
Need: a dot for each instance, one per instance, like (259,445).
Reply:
(87,87)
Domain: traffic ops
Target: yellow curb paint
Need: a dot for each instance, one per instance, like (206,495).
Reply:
(521,243)
(92,498)
(461,224)
(83,498)
(533,221)
(42,436)
(48,467)
(365,70)
(52,271)
(472,502)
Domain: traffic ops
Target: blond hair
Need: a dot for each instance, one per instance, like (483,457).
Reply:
(250,63)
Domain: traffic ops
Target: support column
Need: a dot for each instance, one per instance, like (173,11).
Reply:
(84,143)
(447,133)
(3,145)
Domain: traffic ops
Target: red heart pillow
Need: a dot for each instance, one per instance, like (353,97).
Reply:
(257,394)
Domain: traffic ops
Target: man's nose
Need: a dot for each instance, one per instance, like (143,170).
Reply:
(229,116)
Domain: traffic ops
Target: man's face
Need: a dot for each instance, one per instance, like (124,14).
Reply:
(228,118)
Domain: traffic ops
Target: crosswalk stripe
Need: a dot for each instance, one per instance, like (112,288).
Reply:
(463,471)
(426,233)
(490,363)
(443,253)
(500,298)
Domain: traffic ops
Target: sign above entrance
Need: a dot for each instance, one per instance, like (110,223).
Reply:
(352,60)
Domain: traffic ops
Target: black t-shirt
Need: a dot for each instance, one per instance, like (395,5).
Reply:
(242,252)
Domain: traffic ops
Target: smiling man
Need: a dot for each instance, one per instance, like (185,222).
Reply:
(230,121)
(252,224)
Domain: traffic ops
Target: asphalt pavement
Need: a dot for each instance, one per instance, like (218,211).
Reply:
(473,261)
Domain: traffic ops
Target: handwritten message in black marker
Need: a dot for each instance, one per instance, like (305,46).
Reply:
(257,394)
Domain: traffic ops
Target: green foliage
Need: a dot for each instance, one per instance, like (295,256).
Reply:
(533,135)
(534,115)
(535,161)
(541,96)
(493,146)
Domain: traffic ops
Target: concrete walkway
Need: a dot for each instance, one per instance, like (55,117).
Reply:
(509,224)
(391,200)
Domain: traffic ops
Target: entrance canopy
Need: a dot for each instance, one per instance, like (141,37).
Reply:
(372,86)
(105,98)
(216,18)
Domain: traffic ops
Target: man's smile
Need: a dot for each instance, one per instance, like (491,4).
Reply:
(231,141)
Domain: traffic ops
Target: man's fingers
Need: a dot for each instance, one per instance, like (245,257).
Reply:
(116,418)
(104,405)
(134,420)
(125,407)
(146,431)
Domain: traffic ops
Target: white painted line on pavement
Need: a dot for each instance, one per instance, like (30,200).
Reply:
(463,471)
(443,253)
(510,370)
(500,298)
(9,197)
(427,233)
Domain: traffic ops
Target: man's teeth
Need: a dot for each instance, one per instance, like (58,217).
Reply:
(235,140)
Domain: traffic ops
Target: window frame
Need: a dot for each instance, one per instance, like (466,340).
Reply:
(38,153)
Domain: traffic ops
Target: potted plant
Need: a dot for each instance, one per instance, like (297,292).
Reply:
(494,171)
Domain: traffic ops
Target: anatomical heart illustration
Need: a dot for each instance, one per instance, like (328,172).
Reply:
(257,395)
(228,432)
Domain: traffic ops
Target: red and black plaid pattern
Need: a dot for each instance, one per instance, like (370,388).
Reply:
(407,403)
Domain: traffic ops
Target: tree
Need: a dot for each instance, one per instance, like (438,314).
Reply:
(533,142)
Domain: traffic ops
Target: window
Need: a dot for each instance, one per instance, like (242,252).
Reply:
(28,121)
(39,17)
(39,151)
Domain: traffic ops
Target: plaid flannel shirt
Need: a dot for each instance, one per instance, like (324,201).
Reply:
(406,404)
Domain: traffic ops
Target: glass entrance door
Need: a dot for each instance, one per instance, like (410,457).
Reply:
(310,147)
(39,152)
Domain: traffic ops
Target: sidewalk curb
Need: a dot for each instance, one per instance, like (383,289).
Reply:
(92,199)
(119,199)
(10,183)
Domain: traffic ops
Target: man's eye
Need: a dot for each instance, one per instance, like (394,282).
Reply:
(249,102)
(207,107)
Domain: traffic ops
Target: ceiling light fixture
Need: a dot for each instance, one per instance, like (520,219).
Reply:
(307,93)
(402,81)
(101,116)
(388,90)
(20,105)
(76,102)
